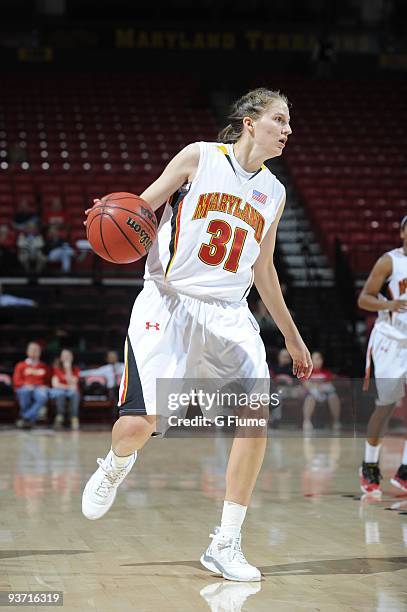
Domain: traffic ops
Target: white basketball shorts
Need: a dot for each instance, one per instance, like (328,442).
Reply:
(175,336)
(390,367)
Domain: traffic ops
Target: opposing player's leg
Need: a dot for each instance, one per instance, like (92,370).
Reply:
(400,478)
(389,369)
(369,472)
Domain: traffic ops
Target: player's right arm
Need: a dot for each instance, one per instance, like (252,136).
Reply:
(368,298)
(180,170)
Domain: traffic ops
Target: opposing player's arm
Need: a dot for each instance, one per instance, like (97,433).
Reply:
(268,286)
(368,298)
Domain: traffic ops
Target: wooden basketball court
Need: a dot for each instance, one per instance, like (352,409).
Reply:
(318,545)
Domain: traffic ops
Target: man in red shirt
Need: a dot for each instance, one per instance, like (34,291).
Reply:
(320,389)
(30,380)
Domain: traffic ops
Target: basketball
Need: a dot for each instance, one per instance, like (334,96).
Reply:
(121,228)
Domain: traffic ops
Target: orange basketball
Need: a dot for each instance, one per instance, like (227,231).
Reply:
(122,228)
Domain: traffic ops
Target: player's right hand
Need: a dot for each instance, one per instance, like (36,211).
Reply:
(87,211)
(397,305)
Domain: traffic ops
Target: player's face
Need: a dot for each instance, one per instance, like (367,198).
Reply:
(403,235)
(273,128)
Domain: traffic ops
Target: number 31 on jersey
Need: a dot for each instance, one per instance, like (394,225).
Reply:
(214,252)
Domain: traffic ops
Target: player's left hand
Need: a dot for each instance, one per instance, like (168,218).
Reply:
(302,363)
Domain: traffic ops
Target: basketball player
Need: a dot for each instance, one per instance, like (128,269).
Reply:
(216,237)
(388,350)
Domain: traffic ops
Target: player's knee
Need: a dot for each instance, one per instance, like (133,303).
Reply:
(137,426)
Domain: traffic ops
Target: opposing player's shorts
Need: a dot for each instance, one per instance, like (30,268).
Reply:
(389,357)
(173,337)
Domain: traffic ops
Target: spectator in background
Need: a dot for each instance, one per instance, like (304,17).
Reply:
(320,389)
(65,387)
(287,384)
(7,300)
(30,246)
(24,215)
(55,215)
(30,381)
(7,247)
(58,249)
(283,371)
(112,371)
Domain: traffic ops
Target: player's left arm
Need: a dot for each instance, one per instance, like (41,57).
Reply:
(268,286)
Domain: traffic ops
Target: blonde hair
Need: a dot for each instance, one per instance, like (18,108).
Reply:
(253,104)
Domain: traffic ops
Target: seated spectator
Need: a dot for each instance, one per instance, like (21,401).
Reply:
(7,247)
(55,215)
(282,374)
(30,380)
(57,248)
(283,371)
(289,386)
(320,389)
(24,215)
(65,387)
(112,371)
(30,246)
(7,300)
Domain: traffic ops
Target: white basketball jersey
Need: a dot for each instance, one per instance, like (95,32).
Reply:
(398,287)
(210,232)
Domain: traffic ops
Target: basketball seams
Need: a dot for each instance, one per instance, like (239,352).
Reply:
(88,225)
(121,217)
(125,235)
(134,213)
(102,239)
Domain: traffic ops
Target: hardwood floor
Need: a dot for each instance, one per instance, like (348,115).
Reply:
(318,545)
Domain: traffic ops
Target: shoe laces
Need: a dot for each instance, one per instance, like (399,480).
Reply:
(233,544)
(111,477)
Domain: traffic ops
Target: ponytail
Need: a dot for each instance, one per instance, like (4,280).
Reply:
(229,134)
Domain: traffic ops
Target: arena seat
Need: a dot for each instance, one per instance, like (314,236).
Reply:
(349,164)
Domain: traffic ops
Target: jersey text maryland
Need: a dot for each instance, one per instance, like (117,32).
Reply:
(231,205)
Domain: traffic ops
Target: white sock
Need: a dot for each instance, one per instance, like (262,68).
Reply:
(118,461)
(404,459)
(372,453)
(232,518)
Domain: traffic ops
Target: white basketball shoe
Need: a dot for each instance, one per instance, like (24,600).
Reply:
(224,557)
(101,488)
